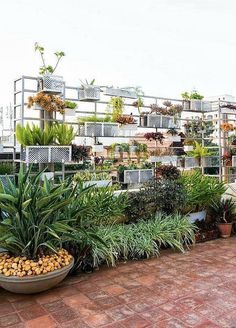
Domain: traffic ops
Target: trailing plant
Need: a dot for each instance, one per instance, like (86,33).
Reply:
(47,69)
(79,153)
(49,102)
(116,105)
(223,210)
(64,133)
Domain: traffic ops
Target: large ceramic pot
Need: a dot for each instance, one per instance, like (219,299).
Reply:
(197,216)
(34,284)
(225,229)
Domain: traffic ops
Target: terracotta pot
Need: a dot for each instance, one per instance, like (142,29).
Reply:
(225,229)
(34,284)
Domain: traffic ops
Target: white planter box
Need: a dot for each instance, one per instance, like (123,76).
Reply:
(128,129)
(164,159)
(47,175)
(188,148)
(174,138)
(200,216)
(119,92)
(99,129)
(89,93)
(191,162)
(70,111)
(51,84)
(210,161)
(138,176)
(160,121)
(133,149)
(1,148)
(98,148)
(233,161)
(97,183)
(47,154)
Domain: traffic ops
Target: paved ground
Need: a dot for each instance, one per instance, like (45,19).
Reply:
(196,289)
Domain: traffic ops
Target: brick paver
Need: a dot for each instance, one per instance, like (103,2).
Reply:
(196,289)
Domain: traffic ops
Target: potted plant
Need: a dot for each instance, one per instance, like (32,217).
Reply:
(134,174)
(127,124)
(96,179)
(50,145)
(199,152)
(94,126)
(79,153)
(141,151)
(201,191)
(33,228)
(227,127)
(48,102)
(70,108)
(192,101)
(224,212)
(173,135)
(227,158)
(188,144)
(88,91)
(163,155)
(49,82)
(155,136)
(98,148)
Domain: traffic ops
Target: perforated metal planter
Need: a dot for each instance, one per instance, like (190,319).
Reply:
(210,161)
(119,92)
(4,179)
(47,154)
(51,84)
(99,129)
(190,162)
(137,176)
(89,94)
(160,121)
(164,159)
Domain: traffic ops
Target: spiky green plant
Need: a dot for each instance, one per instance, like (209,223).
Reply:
(32,136)
(64,134)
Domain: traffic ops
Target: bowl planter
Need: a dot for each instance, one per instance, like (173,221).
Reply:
(51,84)
(34,284)
(225,229)
(99,129)
(119,92)
(200,216)
(47,154)
(188,148)
(97,183)
(89,93)
(174,138)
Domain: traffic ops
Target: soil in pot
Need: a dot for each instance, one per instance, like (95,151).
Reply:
(225,229)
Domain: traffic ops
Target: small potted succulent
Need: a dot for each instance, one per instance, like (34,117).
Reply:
(49,82)
(88,91)
(173,135)
(192,101)
(224,212)
(154,136)
(188,144)
(48,102)
(127,123)
(70,108)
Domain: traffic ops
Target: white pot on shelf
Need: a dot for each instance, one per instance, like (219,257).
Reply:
(174,138)
(200,216)
(97,183)
(188,148)
(70,111)
(97,148)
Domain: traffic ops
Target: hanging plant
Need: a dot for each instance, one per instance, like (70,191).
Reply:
(49,102)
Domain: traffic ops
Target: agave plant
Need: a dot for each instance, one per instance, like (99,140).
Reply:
(64,134)
(30,136)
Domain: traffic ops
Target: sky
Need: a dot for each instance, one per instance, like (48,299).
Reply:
(164,46)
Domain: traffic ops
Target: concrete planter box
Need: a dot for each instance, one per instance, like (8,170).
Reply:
(70,112)
(128,129)
(34,284)
(191,162)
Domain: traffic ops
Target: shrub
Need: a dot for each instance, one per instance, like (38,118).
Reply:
(143,239)
(6,168)
(79,153)
(167,172)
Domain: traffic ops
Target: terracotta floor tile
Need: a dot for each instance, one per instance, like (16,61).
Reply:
(9,320)
(107,302)
(64,315)
(95,295)
(6,308)
(21,304)
(155,315)
(191,318)
(76,300)
(98,320)
(119,312)
(77,323)
(54,306)
(114,290)
(135,321)
(171,323)
(41,322)
(32,312)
